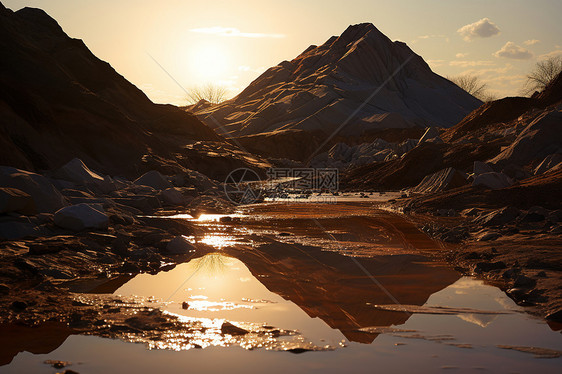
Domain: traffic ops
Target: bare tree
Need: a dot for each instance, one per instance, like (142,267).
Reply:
(473,85)
(545,71)
(210,92)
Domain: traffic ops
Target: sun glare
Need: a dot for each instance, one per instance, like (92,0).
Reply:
(208,61)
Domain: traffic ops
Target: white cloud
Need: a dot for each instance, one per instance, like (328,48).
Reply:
(531,42)
(464,63)
(234,32)
(461,55)
(479,29)
(512,50)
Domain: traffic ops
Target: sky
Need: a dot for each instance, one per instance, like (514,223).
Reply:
(162,45)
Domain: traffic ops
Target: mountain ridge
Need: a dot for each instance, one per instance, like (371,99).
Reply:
(325,85)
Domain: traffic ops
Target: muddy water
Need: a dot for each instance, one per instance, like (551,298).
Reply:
(353,285)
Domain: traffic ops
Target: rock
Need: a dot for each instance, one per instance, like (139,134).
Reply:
(550,162)
(45,196)
(480,167)
(442,180)
(12,230)
(228,328)
(446,213)
(492,180)
(555,316)
(80,217)
(179,245)
(14,200)
(185,305)
(523,281)
(129,267)
(19,305)
(153,179)
(499,217)
(489,236)
(77,172)
(172,196)
(484,267)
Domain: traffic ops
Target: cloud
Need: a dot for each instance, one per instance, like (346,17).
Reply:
(464,63)
(531,42)
(234,32)
(557,52)
(479,29)
(434,36)
(512,50)
(461,55)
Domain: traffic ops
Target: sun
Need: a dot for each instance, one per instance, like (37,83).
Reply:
(208,62)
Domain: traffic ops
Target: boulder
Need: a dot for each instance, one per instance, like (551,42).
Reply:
(481,168)
(77,172)
(81,216)
(14,200)
(492,180)
(153,179)
(172,196)
(552,161)
(442,180)
(179,245)
(45,196)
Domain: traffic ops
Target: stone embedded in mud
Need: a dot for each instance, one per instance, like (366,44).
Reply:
(81,216)
(179,245)
(153,179)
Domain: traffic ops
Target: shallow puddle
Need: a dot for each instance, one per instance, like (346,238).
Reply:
(466,325)
(392,311)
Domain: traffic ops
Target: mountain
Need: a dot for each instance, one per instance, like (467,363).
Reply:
(361,75)
(58,101)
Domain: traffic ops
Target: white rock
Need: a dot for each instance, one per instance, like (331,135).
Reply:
(81,216)
(179,245)
(153,179)
(493,180)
